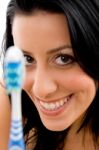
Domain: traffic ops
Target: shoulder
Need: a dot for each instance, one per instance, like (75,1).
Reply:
(4,116)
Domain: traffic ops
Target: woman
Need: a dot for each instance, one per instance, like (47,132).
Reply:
(59,39)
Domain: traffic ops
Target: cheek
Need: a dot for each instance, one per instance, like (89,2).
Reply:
(76,81)
(28,82)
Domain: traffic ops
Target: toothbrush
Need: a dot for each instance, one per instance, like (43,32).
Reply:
(14,74)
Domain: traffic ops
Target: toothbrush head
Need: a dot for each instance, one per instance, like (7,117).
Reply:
(14,69)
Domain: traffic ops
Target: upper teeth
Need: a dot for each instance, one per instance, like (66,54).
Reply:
(53,105)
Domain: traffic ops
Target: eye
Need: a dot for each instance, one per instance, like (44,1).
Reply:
(28,60)
(64,59)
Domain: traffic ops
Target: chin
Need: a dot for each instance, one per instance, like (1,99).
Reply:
(55,127)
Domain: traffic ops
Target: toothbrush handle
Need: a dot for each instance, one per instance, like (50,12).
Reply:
(16,141)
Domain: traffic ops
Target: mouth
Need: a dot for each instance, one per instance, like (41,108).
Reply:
(55,106)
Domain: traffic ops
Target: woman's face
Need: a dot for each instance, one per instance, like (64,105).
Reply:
(59,88)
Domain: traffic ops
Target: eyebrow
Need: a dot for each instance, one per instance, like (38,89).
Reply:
(59,49)
(53,50)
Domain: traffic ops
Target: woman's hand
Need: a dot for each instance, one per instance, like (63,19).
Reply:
(4,117)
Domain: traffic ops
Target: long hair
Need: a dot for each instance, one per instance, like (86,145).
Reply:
(83,21)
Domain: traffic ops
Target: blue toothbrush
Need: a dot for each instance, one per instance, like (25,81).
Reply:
(14,73)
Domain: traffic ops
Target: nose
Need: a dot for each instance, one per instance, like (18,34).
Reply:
(44,85)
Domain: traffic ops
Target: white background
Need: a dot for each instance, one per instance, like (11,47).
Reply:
(3,5)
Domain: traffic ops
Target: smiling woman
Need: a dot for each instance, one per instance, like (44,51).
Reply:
(60,43)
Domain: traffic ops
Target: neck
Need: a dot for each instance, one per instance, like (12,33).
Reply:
(82,140)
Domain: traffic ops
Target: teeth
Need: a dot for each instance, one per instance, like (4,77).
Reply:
(61,102)
(57,104)
(53,106)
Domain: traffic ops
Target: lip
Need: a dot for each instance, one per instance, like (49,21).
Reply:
(57,111)
(54,100)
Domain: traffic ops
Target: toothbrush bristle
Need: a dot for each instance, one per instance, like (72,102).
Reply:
(14,69)
(13,76)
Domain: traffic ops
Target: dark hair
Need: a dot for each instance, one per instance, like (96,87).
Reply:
(83,21)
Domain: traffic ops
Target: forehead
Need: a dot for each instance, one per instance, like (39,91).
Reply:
(39,27)
(45,18)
